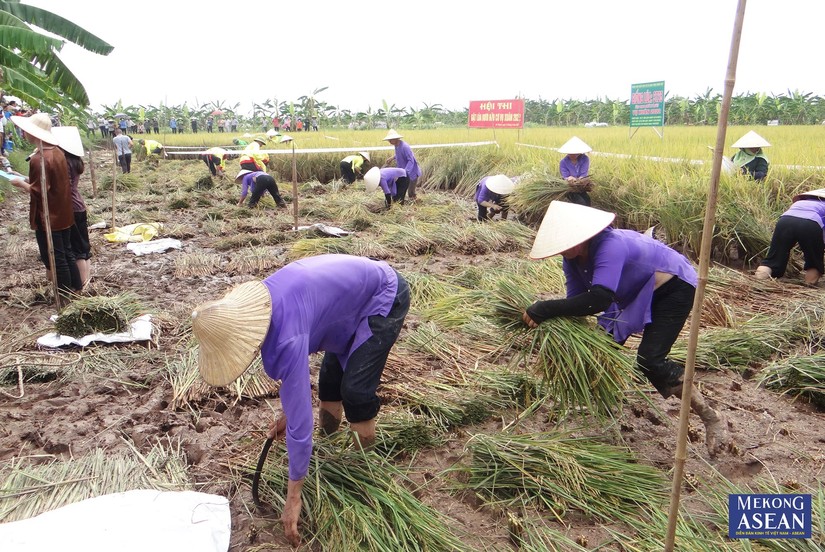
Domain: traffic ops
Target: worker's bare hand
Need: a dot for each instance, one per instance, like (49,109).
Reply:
(277,429)
(527,320)
(292,513)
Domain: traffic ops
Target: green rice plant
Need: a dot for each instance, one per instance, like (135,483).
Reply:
(196,264)
(447,405)
(536,189)
(798,376)
(100,313)
(320,246)
(27,489)
(459,309)
(399,431)
(426,289)
(558,472)
(517,389)
(358,501)
(581,365)
(504,235)
(748,344)
(458,169)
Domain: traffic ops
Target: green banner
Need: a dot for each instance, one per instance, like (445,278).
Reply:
(647,104)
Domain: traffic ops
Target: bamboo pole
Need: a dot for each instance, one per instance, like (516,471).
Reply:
(294,187)
(704,263)
(92,173)
(114,186)
(47,225)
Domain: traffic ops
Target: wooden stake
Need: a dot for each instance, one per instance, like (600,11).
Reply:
(704,264)
(47,226)
(294,188)
(114,187)
(92,173)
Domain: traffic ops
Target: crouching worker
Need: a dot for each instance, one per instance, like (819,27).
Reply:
(259,182)
(637,283)
(352,308)
(491,196)
(351,166)
(802,223)
(392,181)
(153,148)
(215,159)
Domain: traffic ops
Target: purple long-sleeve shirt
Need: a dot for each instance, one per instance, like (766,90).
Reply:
(319,304)
(389,177)
(625,261)
(578,169)
(246,182)
(484,194)
(405,159)
(810,209)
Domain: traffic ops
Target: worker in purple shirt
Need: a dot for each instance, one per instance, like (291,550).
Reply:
(258,182)
(352,308)
(575,169)
(391,180)
(637,283)
(491,196)
(404,159)
(802,223)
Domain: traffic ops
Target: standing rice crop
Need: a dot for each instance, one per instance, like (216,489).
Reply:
(535,191)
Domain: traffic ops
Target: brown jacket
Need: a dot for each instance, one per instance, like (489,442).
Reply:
(61,214)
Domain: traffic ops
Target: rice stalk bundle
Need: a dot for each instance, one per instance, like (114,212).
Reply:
(188,387)
(320,246)
(535,191)
(428,339)
(125,182)
(412,238)
(752,342)
(402,432)
(357,217)
(99,314)
(557,472)
(581,365)
(463,239)
(36,366)
(517,389)
(545,275)
(426,289)
(458,309)
(196,264)
(529,535)
(799,375)
(179,231)
(239,240)
(370,248)
(504,235)
(359,501)
(458,169)
(29,490)
(254,260)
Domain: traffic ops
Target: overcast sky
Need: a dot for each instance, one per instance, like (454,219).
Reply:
(444,52)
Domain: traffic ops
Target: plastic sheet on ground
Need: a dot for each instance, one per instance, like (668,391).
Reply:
(134,521)
(327,230)
(139,232)
(156,246)
(141,330)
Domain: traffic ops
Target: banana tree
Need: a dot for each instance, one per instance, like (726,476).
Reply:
(31,68)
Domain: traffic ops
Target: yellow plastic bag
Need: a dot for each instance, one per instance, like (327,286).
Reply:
(140,232)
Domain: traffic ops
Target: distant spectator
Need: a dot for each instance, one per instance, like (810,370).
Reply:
(173,124)
(155,125)
(91,127)
(299,125)
(750,160)
(315,124)
(228,125)
(123,147)
(104,127)
(234,125)
(209,122)
(123,125)
(276,123)
(194,122)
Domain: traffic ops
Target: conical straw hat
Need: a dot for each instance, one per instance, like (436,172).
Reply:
(751,140)
(68,138)
(38,125)
(820,193)
(499,184)
(566,225)
(242,173)
(392,135)
(372,179)
(230,332)
(364,154)
(575,145)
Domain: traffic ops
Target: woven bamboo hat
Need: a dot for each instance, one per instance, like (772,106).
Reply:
(260,139)
(566,225)
(500,184)
(38,125)
(241,173)
(392,135)
(751,140)
(68,138)
(575,145)
(364,154)
(818,194)
(230,332)
(372,179)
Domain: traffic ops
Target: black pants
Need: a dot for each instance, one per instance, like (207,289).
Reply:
(789,231)
(671,306)
(212,161)
(81,247)
(347,173)
(401,186)
(356,387)
(125,161)
(250,166)
(265,183)
(580,198)
(68,276)
(487,214)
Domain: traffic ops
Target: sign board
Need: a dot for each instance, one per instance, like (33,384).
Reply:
(647,104)
(496,114)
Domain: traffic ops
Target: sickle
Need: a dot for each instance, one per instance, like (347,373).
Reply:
(256,478)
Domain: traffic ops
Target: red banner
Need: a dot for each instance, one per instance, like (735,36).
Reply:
(496,114)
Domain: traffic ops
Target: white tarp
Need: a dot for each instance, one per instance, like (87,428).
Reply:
(155,246)
(134,521)
(140,330)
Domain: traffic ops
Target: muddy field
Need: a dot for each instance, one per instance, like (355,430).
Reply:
(120,398)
